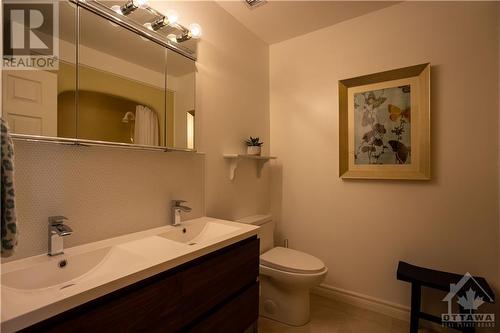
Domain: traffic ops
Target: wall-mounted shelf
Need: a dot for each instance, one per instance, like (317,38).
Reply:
(236,158)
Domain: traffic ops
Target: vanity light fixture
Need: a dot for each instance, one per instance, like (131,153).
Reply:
(194,32)
(130,6)
(182,38)
(170,18)
(129,116)
(166,19)
(160,23)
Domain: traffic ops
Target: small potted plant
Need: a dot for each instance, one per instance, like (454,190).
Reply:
(253,146)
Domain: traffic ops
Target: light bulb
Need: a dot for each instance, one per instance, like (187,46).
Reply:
(148,26)
(140,3)
(195,30)
(172,16)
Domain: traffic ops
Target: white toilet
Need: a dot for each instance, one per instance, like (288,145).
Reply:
(286,276)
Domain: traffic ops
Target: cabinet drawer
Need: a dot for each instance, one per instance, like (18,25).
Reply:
(219,278)
(148,307)
(235,316)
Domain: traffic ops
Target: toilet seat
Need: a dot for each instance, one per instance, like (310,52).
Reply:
(293,261)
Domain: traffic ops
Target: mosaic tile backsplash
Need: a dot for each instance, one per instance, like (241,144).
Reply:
(105,192)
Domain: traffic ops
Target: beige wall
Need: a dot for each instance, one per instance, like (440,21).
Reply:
(108,192)
(361,229)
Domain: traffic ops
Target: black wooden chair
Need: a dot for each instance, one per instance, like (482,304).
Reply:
(423,277)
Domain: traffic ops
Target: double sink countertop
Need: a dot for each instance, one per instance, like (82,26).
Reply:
(39,287)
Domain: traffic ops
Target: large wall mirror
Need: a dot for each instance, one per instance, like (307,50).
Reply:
(122,86)
(181,98)
(31,97)
(113,85)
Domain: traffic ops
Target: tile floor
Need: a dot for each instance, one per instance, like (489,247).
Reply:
(329,316)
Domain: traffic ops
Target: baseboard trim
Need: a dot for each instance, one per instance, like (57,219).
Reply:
(374,304)
(387,308)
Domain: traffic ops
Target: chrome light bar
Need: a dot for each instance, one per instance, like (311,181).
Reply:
(145,30)
(130,6)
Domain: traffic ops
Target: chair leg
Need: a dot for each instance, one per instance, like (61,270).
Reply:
(466,329)
(416,295)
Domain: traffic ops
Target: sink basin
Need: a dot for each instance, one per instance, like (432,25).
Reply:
(199,232)
(67,270)
(59,270)
(34,287)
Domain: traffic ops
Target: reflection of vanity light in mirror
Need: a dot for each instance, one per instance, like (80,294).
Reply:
(110,49)
(116,9)
(129,116)
(172,38)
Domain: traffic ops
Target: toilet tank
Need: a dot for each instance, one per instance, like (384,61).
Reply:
(266,230)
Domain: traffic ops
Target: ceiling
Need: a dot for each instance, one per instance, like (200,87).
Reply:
(279,20)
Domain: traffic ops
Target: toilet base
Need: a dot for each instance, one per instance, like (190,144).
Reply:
(284,303)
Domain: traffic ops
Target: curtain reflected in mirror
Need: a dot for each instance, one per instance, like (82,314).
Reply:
(125,88)
(122,92)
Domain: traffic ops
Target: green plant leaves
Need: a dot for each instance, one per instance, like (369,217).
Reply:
(254,142)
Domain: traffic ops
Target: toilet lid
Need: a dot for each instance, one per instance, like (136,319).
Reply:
(289,260)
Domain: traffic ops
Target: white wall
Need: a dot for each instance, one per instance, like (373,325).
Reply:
(109,192)
(361,229)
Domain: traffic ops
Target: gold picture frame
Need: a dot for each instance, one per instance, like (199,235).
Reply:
(384,125)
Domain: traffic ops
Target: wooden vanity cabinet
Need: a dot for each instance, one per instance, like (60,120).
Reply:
(218,292)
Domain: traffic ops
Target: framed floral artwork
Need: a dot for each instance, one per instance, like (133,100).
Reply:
(384,125)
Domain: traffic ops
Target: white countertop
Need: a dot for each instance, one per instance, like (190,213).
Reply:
(132,258)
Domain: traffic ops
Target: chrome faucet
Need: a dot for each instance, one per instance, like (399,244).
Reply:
(57,230)
(177,208)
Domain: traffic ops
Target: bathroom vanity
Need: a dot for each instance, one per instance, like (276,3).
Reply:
(199,277)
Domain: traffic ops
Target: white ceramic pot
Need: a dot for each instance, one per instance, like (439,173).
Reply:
(253,150)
